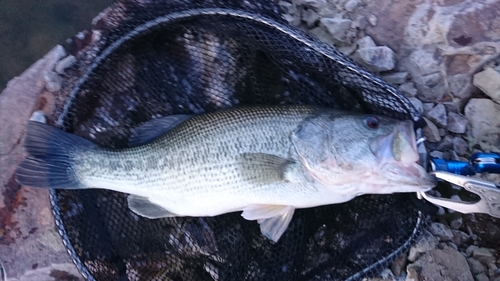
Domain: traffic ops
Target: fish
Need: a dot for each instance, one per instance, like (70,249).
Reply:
(265,161)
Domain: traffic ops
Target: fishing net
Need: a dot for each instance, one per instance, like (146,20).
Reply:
(147,59)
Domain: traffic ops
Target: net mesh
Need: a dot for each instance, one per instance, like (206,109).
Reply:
(147,59)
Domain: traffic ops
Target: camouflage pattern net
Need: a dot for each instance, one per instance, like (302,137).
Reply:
(147,59)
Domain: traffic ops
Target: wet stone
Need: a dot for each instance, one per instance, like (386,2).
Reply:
(457,123)
(438,115)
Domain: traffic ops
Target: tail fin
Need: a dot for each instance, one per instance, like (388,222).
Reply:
(51,157)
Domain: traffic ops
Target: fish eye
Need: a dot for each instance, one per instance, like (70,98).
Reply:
(371,122)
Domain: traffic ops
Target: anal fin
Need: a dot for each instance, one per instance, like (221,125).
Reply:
(145,208)
(273,219)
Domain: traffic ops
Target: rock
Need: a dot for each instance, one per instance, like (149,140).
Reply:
(436,154)
(481,277)
(417,104)
(488,81)
(457,123)
(396,78)
(426,243)
(377,58)
(427,106)
(484,255)
(387,274)
(456,222)
(336,27)
(475,266)
(365,42)
(351,5)
(408,89)
(426,73)
(438,115)
(64,64)
(441,231)
(446,143)
(460,146)
(470,250)
(372,19)
(440,264)
(310,17)
(460,85)
(459,237)
(398,265)
(484,128)
(52,81)
(431,132)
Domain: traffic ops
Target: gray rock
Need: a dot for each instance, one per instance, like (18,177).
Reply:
(481,277)
(475,266)
(457,123)
(442,132)
(460,85)
(310,17)
(438,115)
(396,78)
(441,231)
(431,132)
(484,128)
(337,27)
(484,255)
(470,250)
(460,146)
(446,143)
(426,243)
(351,5)
(377,58)
(459,237)
(440,264)
(427,106)
(417,104)
(408,89)
(488,81)
(372,19)
(436,154)
(365,42)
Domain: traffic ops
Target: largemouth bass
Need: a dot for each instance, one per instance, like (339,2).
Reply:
(264,161)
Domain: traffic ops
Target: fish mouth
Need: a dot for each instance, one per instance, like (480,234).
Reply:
(398,156)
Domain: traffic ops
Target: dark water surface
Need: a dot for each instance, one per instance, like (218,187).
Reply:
(30,28)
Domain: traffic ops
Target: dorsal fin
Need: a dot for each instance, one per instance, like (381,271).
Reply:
(151,130)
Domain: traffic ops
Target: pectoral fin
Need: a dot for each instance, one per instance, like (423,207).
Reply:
(273,219)
(151,130)
(261,168)
(145,208)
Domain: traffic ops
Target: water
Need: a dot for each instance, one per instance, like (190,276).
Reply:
(30,28)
